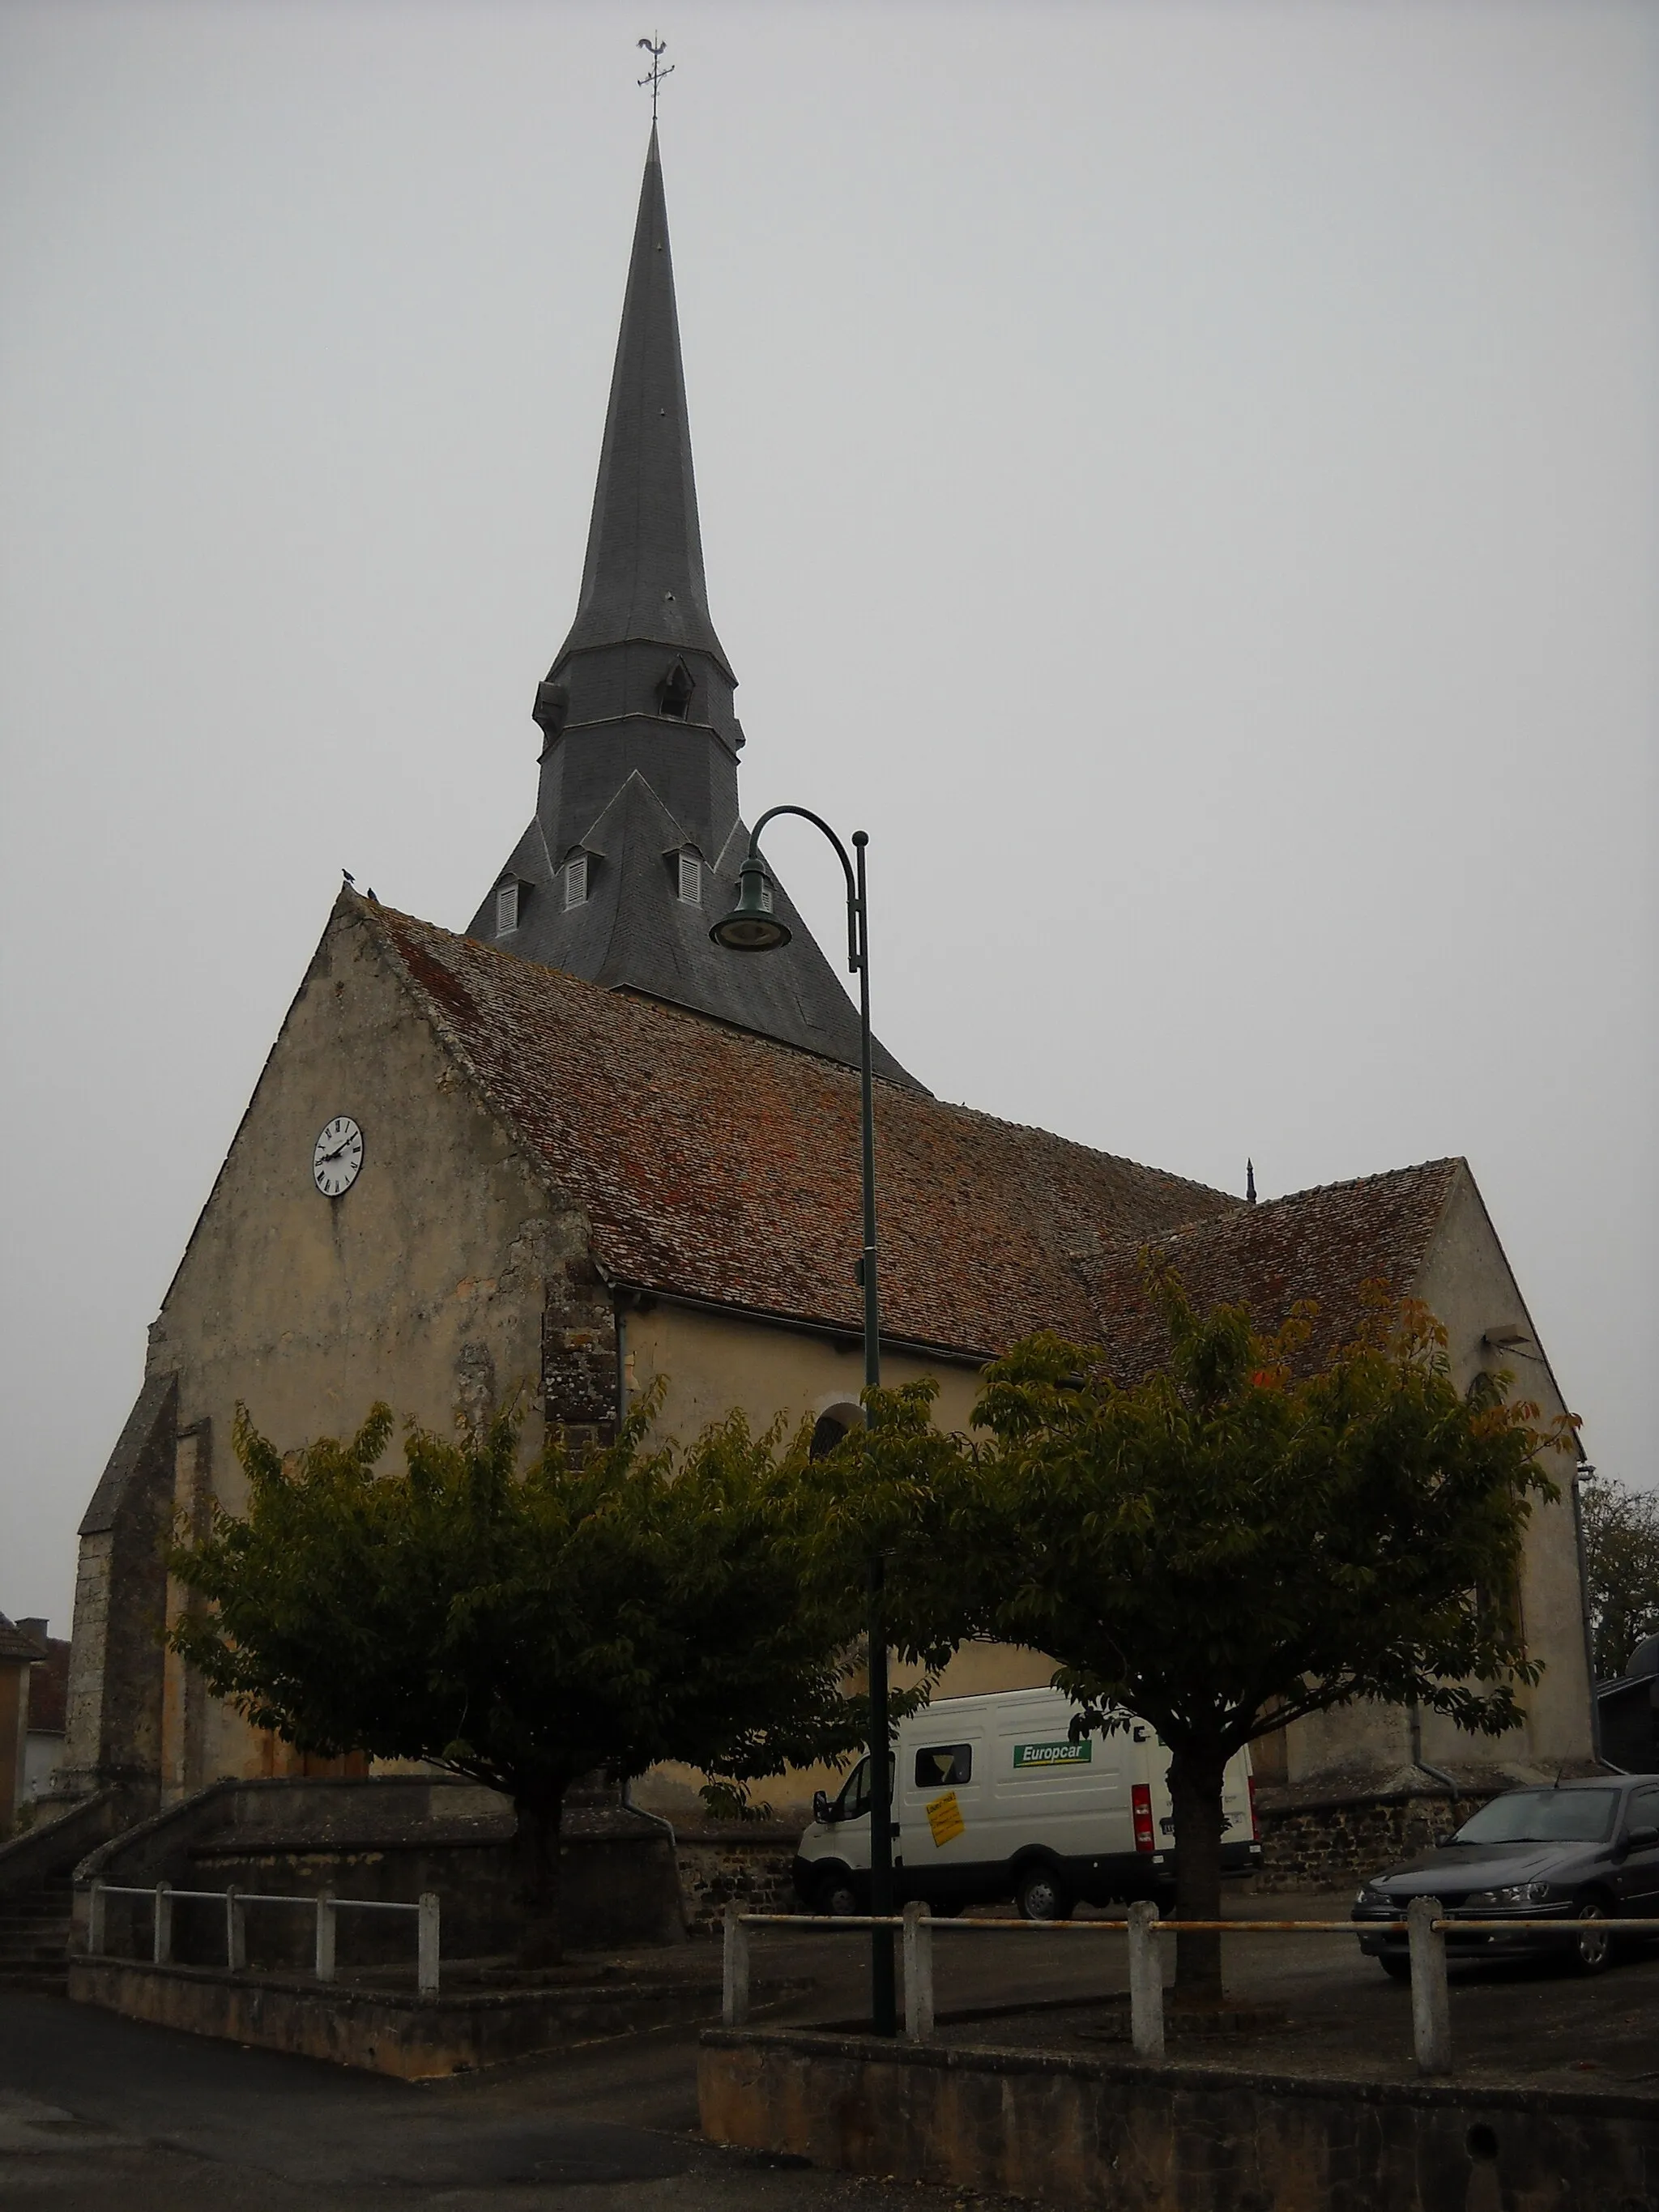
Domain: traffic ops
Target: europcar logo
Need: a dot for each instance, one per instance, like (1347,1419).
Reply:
(1055,1754)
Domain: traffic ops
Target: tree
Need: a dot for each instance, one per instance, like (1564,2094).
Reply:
(1622,1565)
(526,1627)
(1237,1542)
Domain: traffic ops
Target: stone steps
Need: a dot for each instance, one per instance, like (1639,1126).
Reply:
(35,1934)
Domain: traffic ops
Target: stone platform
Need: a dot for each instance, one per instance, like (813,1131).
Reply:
(1136,2137)
(387,2029)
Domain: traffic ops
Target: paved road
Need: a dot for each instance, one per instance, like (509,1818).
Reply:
(100,2111)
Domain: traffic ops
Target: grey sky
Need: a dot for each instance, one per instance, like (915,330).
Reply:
(1183,477)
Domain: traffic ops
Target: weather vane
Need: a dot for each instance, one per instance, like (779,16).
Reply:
(656,49)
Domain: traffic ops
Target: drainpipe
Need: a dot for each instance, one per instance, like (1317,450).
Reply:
(1581,1473)
(1438,1773)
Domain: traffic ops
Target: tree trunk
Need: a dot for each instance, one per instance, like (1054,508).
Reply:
(1195,1781)
(536,1858)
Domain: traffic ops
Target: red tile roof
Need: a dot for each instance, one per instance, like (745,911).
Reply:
(723,1166)
(716,1165)
(1322,1244)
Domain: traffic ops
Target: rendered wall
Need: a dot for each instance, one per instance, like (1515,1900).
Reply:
(425,1284)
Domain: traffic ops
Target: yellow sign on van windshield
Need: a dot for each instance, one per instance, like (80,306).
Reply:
(945,1819)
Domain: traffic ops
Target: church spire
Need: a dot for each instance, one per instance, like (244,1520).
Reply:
(642,582)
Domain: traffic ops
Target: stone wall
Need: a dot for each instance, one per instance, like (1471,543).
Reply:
(1133,2136)
(750,1867)
(1326,1842)
(389,1838)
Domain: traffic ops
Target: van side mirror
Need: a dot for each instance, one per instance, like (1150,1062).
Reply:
(822,1809)
(1445,1836)
(1641,1839)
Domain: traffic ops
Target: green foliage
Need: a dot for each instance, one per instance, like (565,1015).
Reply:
(525,1626)
(1240,1539)
(1621,1565)
(1234,1543)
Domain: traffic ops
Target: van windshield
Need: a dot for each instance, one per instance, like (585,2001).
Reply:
(1543,1816)
(854,1801)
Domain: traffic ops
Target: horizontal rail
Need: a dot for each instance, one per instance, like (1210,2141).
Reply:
(235,1902)
(260,1897)
(1560,1923)
(1425,1926)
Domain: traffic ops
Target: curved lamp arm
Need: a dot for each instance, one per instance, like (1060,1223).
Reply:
(856,947)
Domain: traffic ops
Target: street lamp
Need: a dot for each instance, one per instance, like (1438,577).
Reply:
(754,926)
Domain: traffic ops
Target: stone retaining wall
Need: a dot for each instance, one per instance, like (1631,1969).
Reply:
(1137,2137)
(388,2031)
(1326,1842)
(750,1867)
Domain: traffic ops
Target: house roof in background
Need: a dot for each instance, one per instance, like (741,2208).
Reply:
(14,1644)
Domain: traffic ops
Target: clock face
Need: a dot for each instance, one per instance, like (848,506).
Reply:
(337,1157)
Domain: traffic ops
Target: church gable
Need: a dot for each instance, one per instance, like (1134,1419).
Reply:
(420,1258)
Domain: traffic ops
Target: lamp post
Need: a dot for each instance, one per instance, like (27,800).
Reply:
(754,926)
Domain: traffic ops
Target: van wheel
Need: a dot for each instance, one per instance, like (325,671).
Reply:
(833,1896)
(1396,1968)
(1041,1895)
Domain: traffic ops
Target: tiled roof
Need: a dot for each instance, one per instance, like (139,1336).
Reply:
(722,1166)
(14,1644)
(1322,1244)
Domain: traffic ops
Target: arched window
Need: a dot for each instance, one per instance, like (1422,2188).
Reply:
(831,1425)
(675,699)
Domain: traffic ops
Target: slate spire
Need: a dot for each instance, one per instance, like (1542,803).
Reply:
(643,578)
(637,838)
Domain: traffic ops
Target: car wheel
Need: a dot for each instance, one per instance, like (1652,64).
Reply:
(833,1896)
(1397,1970)
(1592,1948)
(1041,1895)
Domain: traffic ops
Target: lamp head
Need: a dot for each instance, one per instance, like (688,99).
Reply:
(751,926)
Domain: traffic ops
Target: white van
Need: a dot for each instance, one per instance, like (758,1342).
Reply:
(992,1799)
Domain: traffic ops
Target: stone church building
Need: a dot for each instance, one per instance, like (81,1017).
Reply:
(576,1148)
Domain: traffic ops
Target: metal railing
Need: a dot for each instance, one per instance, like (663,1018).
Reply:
(327,1907)
(1424,1927)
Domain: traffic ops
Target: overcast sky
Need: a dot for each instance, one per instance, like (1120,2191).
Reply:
(1183,478)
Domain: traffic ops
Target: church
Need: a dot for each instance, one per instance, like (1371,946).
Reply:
(576,1149)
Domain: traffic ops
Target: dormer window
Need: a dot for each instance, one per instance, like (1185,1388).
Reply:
(691,878)
(507,907)
(675,698)
(576,881)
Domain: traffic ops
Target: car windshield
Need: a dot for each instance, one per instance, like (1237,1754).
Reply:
(1543,1816)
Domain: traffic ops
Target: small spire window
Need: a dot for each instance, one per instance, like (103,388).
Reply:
(675,698)
(506,909)
(691,878)
(575,882)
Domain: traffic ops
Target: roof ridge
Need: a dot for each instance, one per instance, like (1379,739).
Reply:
(1359,1182)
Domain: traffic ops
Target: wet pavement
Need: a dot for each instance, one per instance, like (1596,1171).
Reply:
(96,2110)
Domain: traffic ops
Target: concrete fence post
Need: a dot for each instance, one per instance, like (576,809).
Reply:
(917,1971)
(1146,1981)
(97,1906)
(162,1948)
(235,1932)
(427,1941)
(1430,2003)
(734,1983)
(327,1922)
